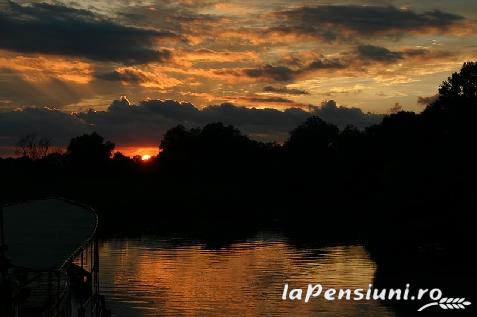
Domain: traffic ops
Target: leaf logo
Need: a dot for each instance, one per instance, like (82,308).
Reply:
(448,303)
(453,303)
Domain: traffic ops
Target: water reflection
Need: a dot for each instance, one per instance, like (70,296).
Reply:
(154,276)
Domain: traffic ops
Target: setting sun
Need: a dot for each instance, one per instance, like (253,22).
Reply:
(144,152)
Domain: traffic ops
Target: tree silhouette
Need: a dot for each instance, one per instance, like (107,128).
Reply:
(89,150)
(458,93)
(314,136)
(33,147)
(461,85)
(223,141)
(177,143)
(206,150)
(450,121)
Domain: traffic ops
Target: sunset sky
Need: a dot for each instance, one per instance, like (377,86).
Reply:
(209,58)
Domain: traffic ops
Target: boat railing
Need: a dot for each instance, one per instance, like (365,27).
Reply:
(57,286)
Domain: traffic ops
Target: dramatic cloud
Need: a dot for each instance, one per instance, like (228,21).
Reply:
(376,53)
(131,75)
(343,116)
(347,63)
(287,74)
(51,123)
(331,22)
(325,64)
(75,55)
(274,73)
(60,30)
(370,54)
(285,90)
(257,99)
(145,123)
(127,75)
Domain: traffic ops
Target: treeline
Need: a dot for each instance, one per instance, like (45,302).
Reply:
(410,173)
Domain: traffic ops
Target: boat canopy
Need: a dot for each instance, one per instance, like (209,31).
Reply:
(44,235)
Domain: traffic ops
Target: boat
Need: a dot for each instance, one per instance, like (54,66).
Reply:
(49,260)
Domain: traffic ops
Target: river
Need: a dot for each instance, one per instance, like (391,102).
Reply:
(151,275)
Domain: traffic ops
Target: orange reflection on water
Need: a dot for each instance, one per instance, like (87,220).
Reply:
(149,277)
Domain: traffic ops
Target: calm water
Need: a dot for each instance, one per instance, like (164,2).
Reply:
(154,276)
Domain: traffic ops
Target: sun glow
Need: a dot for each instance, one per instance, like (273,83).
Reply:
(139,151)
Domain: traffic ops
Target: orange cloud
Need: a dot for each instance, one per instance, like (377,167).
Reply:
(265,101)
(265,35)
(43,68)
(147,77)
(218,56)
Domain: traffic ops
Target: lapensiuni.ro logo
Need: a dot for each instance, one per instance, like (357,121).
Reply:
(430,297)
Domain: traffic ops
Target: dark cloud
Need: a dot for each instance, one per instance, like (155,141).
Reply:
(57,29)
(287,74)
(51,123)
(119,104)
(146,122)
(285,90)
(196,3)
(377,53)
(343,116)
(343,21)
(347,61)
(371,53)
(272,99)
(126,75)
(274,73)
(426,100)
(325,64)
